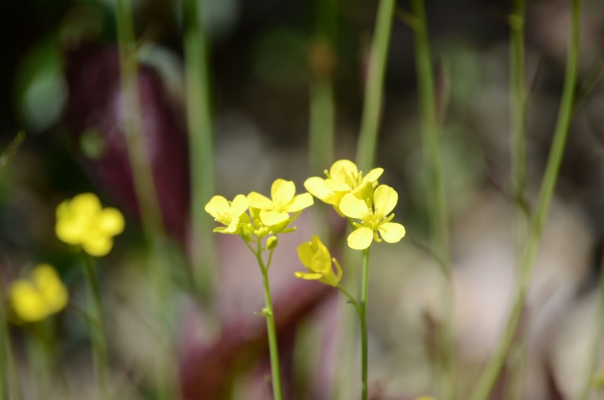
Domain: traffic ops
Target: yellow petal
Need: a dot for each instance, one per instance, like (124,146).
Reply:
(305,253)
(321,262)
(239,205)
(384,199)
(97,245)
(70,230)
(26,301)
(110,221)
(353,207)
(316,187)
(259,201)
(343,168)
(392,232)
(273,217)
(87,204)
(336,186)
(217,206)
(373,175)
(282,192)
(300,202)
(308,276)
(232,228)
(360,238)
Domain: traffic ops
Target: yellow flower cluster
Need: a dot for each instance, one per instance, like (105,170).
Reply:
(360,199)
(83,222)
(266,216)
(42,295)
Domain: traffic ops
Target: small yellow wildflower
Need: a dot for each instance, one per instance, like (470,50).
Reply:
(372,221)
(315,256)
(227,212)
(82,221)
(36,298)
(343,177)
(284,201)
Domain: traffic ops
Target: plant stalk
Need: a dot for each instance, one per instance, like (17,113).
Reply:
(372,107)
(438,210)
(495,364)
(363,318)
(201,145)
(97,326)
(270,324)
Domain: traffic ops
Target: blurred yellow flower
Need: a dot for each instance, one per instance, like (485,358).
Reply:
(372,220)
(40,296)
(284,201)
(227,212)
(82,221)
(343,177)
(315,256)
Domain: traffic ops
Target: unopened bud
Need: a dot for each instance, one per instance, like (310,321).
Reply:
(272,242)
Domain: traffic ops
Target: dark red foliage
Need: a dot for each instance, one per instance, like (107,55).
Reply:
(96,104)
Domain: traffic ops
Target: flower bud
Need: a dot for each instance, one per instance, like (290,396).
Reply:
(272,242)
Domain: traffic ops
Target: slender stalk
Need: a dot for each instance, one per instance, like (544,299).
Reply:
(372,107)
(496,362)
(270,324)
(518,112)
(10,151)
(363,318)
(201,156)
(97,326)
(351,299)
(145,190)
(596,345)
(518,109)
(438,210)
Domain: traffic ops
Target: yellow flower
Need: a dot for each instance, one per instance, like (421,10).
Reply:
(36,298)
(372,220)
(82,221)
(315,256)
(284,200)
(227,212)
(343,177)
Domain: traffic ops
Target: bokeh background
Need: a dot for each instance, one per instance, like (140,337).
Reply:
(59,79)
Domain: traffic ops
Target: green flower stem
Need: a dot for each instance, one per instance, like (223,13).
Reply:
(269,314)
(372,106)
(97,326)
(363,318)
(596,345)
(438,212)
(495,364)
(199,119)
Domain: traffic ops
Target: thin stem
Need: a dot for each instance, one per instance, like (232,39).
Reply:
(199,119)
(270,325)
(518,113)
(372,106)
(496,362)
(438,211)
(596,344)
(99,339)
(11,385)
(10,151)
(350,298)
(363,318)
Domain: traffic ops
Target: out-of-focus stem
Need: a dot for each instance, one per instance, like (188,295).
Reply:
(372,106)
(147,197)
(596,344)
(518,112)
(199,119)
(495,364)
(438,209)
(97,326)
